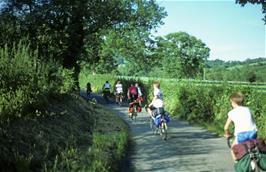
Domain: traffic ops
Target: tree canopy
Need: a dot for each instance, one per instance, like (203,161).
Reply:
(181,55)
(62,29)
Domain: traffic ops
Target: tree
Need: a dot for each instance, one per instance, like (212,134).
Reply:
(181,55)
(62,29)
(262,2)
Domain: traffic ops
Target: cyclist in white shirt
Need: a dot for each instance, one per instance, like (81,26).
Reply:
(241,117)
(119,91)
(157,104)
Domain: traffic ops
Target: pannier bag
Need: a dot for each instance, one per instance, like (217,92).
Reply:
(130,110)
(241,149)
(243,165)
(167,116)
(157,120)
(262,161)
(139,109)
(243,157)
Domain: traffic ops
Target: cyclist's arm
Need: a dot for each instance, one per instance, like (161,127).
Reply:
(226,127)
(128,93)
(154,98)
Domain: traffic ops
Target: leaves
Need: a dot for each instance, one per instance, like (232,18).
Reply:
(181,55)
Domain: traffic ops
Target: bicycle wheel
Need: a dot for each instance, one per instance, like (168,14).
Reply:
(163,130)
(254,166)
(120,101)
(151,124)
(135,116)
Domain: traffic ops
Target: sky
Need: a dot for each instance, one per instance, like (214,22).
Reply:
(231,32)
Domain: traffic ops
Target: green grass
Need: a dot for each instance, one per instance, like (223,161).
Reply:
(73,135)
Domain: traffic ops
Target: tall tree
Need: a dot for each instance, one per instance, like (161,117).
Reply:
(61,29)
(181,55)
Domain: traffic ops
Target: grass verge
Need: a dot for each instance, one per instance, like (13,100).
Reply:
(72,135)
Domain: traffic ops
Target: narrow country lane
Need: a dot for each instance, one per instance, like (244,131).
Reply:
(187,149)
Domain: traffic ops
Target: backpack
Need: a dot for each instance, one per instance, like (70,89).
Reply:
(133,90)
(241,149)
(241,152)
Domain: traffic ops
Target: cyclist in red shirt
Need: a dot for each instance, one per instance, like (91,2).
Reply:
(132,93)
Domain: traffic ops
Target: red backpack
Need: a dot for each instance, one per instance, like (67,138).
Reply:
(133,90)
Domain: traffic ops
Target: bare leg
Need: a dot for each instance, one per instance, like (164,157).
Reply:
(150,111)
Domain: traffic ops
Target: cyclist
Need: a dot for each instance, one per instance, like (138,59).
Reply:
(139,90)
(106,90)
(157,105)
(245,127)
(119,91)
(132,94)
(140,97)
(88,89)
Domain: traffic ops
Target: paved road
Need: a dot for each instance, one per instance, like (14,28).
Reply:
(188,148)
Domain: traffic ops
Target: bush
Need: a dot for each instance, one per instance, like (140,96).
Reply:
(26,82)
(96,80)
(199,103)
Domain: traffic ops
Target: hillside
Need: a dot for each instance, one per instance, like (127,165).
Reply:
(75,136)
(251,70)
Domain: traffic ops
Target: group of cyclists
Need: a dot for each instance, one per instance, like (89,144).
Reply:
(135,97)
(245,128)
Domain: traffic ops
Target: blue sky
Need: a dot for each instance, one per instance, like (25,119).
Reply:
(231,32)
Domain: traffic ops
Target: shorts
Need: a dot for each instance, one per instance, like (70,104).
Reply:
(156,111)
(133,97)
(119,94)
(245,136)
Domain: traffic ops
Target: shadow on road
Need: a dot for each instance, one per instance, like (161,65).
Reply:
(187,148)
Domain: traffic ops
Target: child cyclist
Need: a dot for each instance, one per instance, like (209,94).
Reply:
(157,104)
(241,117)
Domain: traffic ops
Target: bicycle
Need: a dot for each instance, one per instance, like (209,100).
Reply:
(161,125)
(119,99)
(133,113)
(253,152)
(106,94)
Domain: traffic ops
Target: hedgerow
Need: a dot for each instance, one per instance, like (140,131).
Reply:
(203,104)
(26,82)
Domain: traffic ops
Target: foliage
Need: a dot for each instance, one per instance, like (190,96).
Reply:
(209,105)
(126,53)
(250,70)
(26,82)
(97,80)
(70,31)
(181,55)
(203,103)
(262,2)
(72,136)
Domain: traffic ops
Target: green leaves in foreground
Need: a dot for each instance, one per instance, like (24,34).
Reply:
(26,82)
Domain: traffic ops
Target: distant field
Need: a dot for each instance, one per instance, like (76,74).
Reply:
(259,85)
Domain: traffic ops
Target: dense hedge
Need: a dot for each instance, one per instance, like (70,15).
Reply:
(206,105)
(26,82)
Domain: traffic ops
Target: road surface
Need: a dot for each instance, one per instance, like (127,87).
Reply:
(187,149)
